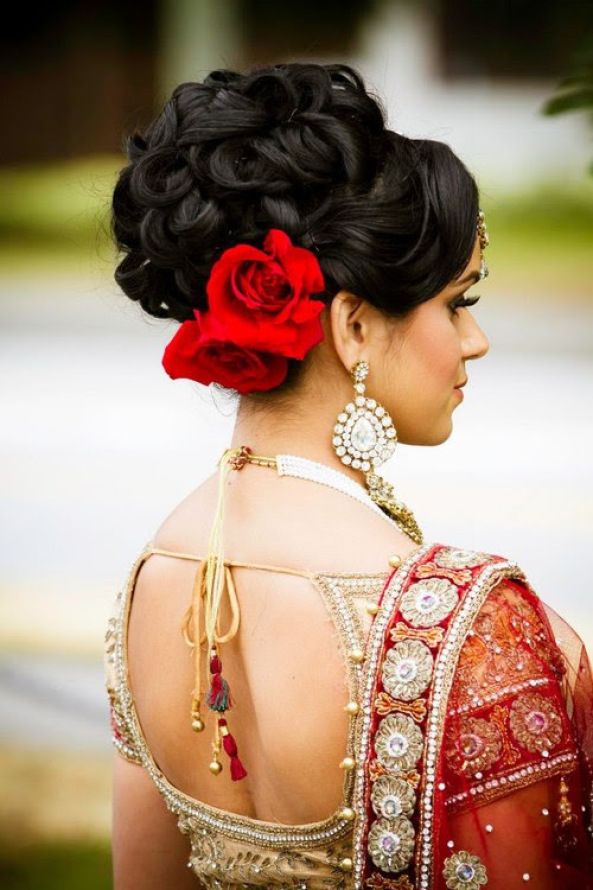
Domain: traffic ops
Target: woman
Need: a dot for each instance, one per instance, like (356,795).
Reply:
(305,693)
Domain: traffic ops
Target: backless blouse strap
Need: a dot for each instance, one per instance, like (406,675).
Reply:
(117,627)
(229,562)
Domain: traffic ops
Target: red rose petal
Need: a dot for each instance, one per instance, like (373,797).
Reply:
(262,300)
(195,355)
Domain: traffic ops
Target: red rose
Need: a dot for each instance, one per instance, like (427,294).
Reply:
(196,354)
(261,298)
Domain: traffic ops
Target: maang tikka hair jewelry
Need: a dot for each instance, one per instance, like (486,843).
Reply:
(484,242)
(364,437)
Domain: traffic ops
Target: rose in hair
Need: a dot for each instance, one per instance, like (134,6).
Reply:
(262,299)
(196,354)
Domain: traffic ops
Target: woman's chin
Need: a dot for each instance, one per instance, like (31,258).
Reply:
(434,436)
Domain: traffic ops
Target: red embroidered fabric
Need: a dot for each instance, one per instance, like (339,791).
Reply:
(478,741)
(517,755)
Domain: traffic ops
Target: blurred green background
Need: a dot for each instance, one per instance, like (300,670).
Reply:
(54,218)
(78,78)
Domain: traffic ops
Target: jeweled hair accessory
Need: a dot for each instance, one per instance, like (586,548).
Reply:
(484,242)
(261,312)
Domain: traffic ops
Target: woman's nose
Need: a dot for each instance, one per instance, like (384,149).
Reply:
(475,341)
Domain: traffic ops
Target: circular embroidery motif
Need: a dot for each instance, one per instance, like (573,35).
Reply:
(451,558)
(535,722)
(428,602)
(392,797)
(398,742)
(463,871)
(473,745)
(391,843)
(407,669)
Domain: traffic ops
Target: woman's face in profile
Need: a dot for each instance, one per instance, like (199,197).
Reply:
(426,362)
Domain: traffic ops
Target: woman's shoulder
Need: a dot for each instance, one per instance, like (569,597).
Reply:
(186,526)
(283,521)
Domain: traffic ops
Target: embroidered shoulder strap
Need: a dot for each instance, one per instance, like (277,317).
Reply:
(122,731)
(424,615)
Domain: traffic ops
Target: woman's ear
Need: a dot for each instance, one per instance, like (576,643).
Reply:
(349,320)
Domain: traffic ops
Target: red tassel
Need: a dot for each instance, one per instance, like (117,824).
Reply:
(238,771)
(229,744)
(215,665)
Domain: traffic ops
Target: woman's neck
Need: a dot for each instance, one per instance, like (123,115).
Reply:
(304,433)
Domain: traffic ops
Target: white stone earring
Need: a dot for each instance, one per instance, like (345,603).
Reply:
(364,437)
(364,434)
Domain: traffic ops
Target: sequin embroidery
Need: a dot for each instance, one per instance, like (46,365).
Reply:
(391,843)
(473,745)
(463,871)
(392,796)
(535,722)
(428,602)
(407,670)
(398,742)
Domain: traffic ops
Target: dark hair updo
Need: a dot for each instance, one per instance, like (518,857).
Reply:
(298,147)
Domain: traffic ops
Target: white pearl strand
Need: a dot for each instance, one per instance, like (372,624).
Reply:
(304,468)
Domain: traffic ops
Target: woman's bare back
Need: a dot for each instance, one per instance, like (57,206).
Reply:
(285,667)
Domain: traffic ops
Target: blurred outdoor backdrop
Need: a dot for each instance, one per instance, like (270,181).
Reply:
(97,444)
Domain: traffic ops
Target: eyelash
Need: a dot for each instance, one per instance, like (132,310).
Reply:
(463,303)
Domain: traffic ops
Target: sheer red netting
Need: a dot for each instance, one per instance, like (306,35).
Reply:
(517,754)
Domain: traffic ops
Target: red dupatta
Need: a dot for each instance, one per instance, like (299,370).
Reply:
(476,749)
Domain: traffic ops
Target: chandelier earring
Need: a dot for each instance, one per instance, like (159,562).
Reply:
(364,437)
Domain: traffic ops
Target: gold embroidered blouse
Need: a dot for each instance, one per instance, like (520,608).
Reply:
(229,851)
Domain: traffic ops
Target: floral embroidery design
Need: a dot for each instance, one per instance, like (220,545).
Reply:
(398,742)
(505,647)
(378,882)
(535,722)
(452,558)
(427,602)
(392,797)
(473,745)
(432,570)
(407,670)
(432,636)
(387,705)
(391,843)
(463,871)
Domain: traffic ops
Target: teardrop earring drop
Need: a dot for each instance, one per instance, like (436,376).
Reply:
(364,437)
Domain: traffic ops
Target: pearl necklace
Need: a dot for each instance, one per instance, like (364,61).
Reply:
(314,471)
(380,496)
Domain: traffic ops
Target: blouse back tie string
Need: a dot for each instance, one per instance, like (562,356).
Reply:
(211,580)
(213,577)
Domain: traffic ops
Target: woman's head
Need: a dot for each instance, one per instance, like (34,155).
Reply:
(417,362)
(302,148)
